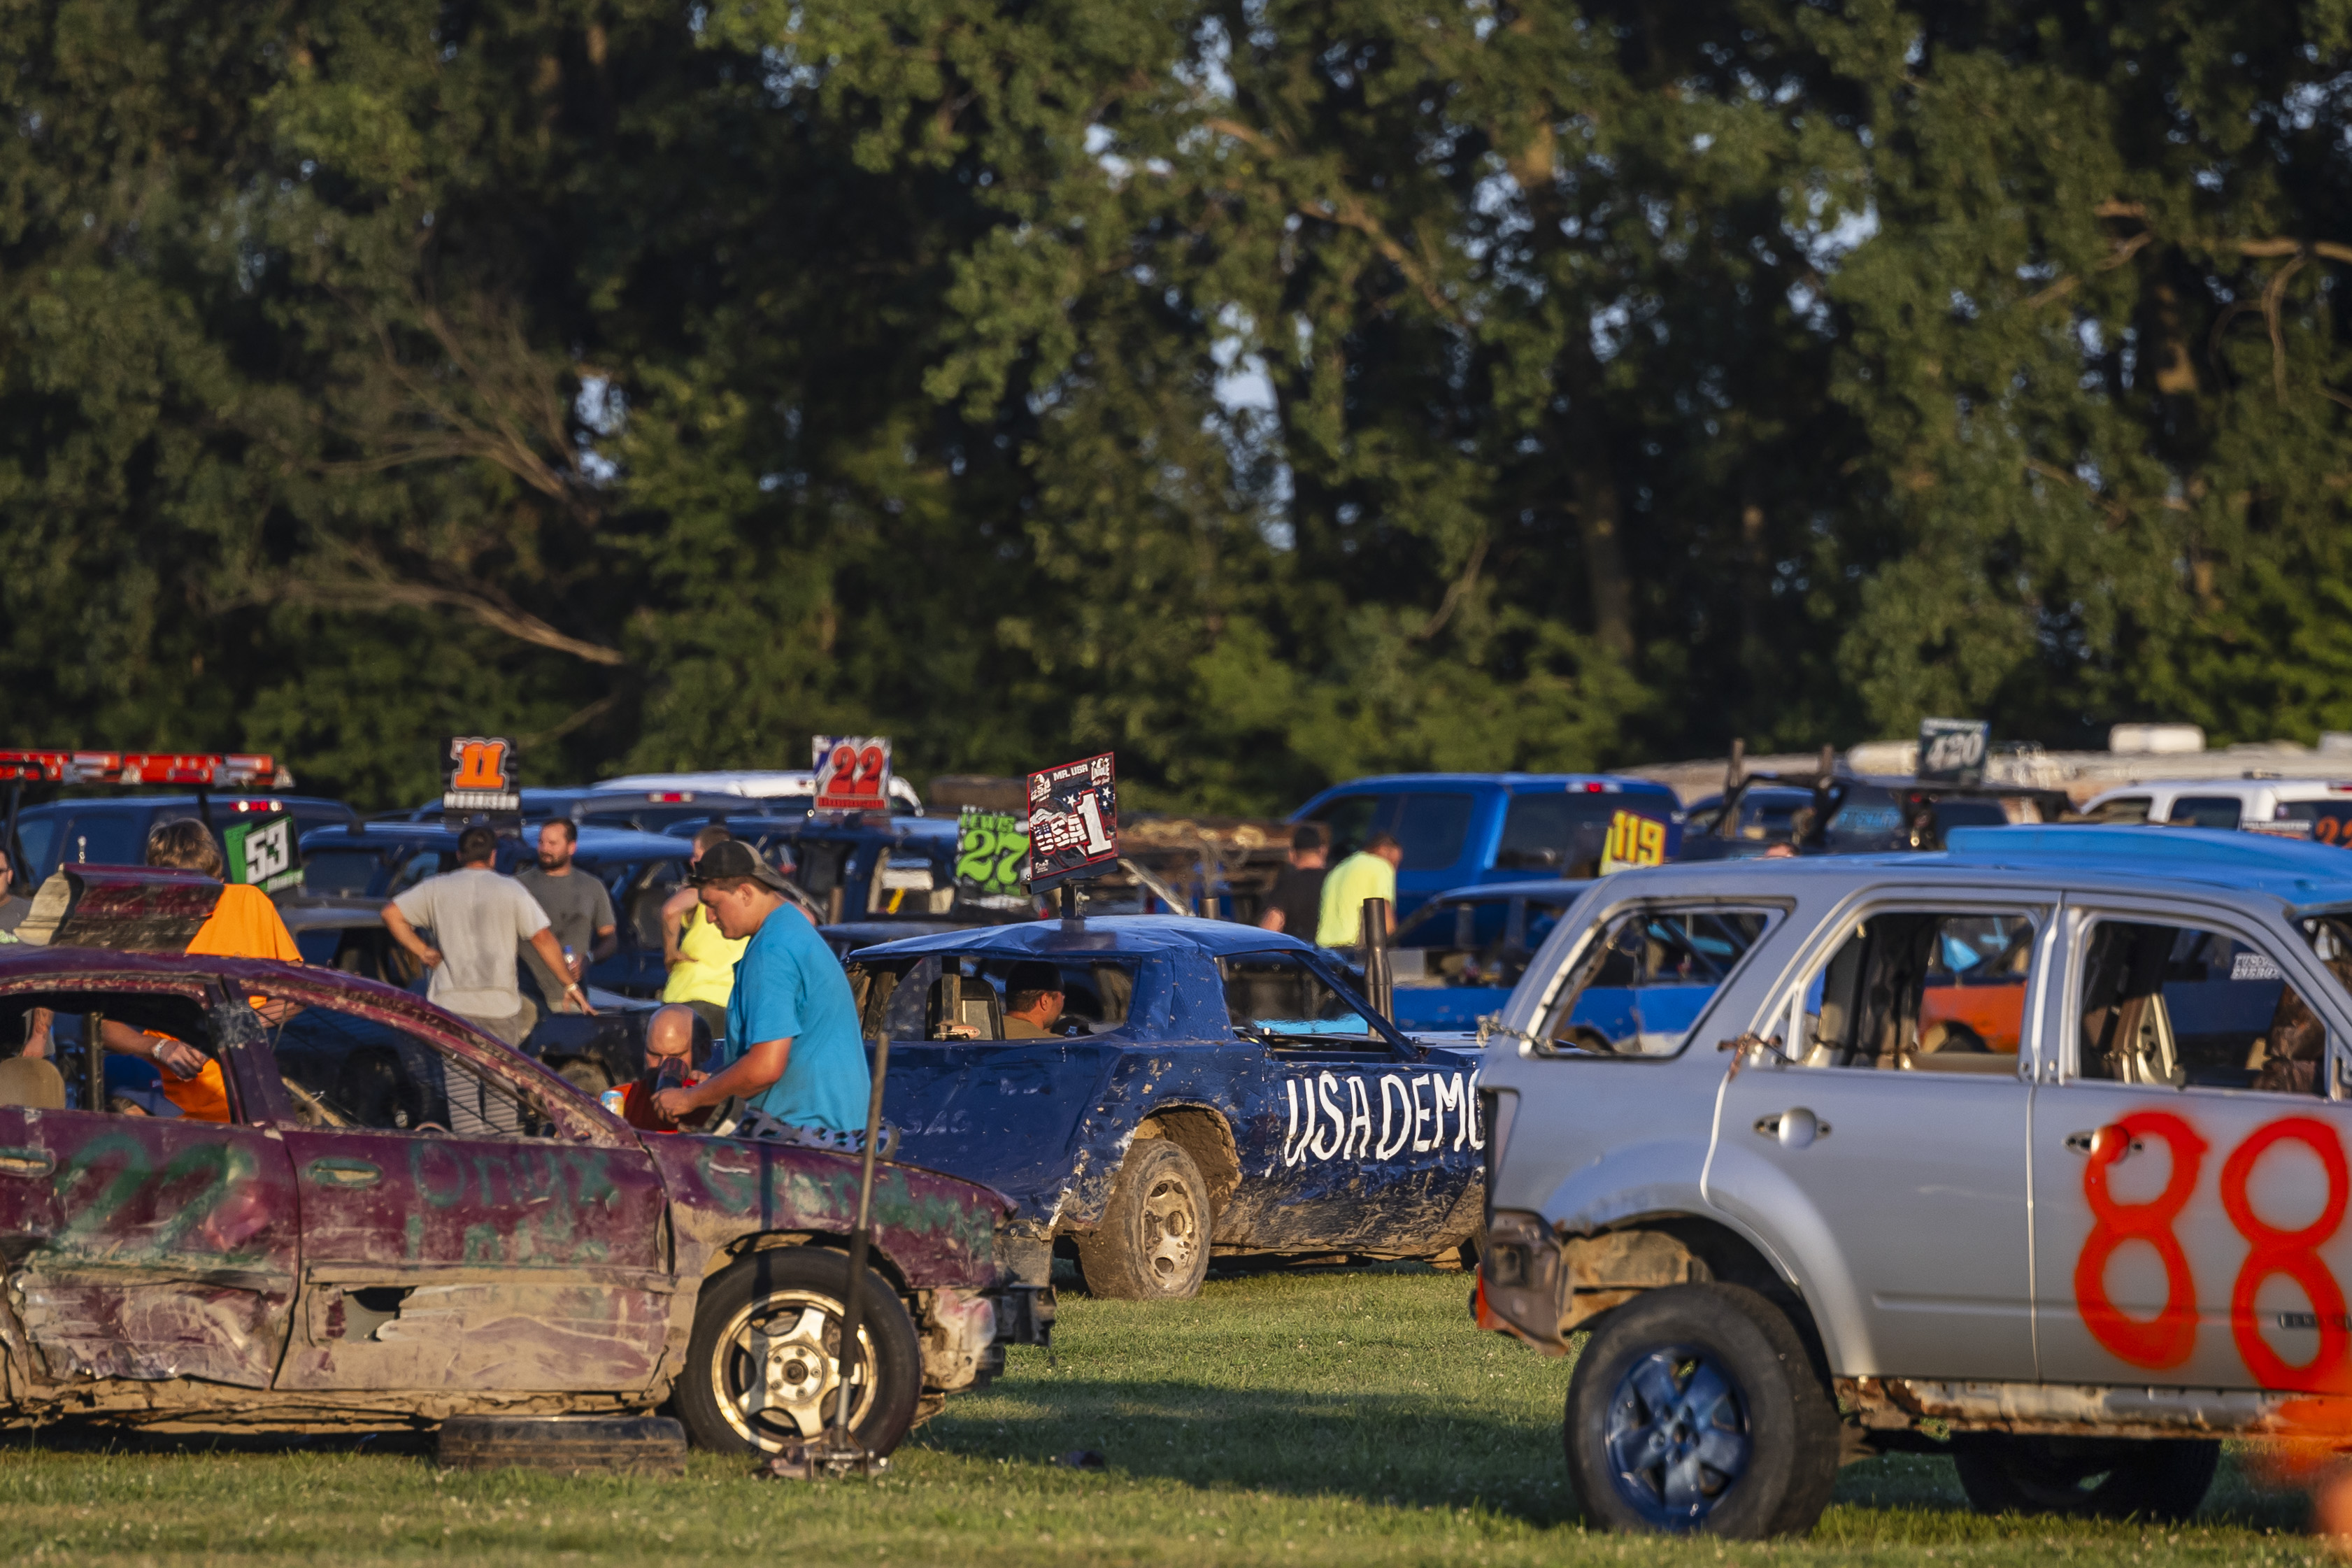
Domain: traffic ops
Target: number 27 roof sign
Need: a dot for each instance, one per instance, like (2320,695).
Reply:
(1073,820)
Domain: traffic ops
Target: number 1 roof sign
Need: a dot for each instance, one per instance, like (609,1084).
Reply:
(852,773)
(1073,821)
(482,783)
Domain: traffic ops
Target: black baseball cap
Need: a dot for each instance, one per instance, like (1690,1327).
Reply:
(724,862)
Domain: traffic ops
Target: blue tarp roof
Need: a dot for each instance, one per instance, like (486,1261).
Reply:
(2299,873)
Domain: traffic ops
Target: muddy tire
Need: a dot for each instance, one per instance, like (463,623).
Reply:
(2158,1480)
(564,1444)
(1695,1409)
(1153,1242)
(762,1368)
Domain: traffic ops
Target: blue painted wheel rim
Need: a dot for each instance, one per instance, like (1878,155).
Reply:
(1677,1436)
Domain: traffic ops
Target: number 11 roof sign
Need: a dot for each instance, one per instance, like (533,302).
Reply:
(482,783)
(1073,821)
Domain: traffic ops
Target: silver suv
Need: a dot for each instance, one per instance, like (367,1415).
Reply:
(2031,1152)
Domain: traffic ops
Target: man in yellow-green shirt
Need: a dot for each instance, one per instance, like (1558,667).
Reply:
(1369,873)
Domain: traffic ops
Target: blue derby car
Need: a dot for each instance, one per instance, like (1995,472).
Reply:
(1188,1089)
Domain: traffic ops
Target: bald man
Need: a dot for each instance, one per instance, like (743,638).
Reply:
(669,1040)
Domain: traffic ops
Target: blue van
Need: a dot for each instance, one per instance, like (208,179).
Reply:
(1461,828)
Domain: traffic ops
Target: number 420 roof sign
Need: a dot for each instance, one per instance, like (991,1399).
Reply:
(1073,821)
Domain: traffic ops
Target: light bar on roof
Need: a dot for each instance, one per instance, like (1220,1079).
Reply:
(233,770)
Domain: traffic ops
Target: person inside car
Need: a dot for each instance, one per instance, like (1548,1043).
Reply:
(1033,1002)
(244,924)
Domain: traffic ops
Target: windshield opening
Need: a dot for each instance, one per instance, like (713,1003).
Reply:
(1641,982)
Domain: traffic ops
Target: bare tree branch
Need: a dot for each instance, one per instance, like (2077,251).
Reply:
(1455,592)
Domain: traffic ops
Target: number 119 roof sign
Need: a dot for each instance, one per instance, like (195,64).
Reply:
(1073,821)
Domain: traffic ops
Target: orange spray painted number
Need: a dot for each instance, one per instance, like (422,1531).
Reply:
(2167,1339)
(2294,1253)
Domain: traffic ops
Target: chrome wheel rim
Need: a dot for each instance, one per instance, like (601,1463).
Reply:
(777,1369)
(1172,1233)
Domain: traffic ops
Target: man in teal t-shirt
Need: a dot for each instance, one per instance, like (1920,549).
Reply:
(792,1049)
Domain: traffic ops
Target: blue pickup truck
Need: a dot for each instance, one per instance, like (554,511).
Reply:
(1205,1088)
(1459,829)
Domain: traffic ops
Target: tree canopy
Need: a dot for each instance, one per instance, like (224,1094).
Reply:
(1269,390)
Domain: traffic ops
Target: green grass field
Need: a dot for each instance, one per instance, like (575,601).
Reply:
(1342,1418)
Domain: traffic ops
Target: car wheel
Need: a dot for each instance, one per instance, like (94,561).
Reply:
(1694,1408)
(588,1077)
(2161,1478)
(762,1368)
(1154,1241)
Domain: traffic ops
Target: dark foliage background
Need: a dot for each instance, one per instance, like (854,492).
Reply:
(1272,389)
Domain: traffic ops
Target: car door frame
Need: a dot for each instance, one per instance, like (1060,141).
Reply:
(640,1289)
(1767,1202)
(1430,1179)
(2200,1223)
(243,1205)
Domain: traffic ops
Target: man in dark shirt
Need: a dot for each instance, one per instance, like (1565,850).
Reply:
(1296,900)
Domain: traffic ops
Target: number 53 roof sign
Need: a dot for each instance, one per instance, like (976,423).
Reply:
(1073,821)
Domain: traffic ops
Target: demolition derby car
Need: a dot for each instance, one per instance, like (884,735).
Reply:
(1204,1089)
(402,1221)
(2038,1144)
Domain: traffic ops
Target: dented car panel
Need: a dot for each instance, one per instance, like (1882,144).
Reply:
(301,1267)
(1358,1140)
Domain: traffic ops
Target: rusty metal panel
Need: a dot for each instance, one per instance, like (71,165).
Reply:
(433,1262)
(129,909)
(149,1249)
(936,1230)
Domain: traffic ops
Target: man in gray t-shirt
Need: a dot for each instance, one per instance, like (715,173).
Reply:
(477,917)
(579,911)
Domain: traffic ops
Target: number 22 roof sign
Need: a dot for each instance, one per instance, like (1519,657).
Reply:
(1073,821)
(852,773)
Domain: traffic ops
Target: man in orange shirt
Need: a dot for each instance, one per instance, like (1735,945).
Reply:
(244,924)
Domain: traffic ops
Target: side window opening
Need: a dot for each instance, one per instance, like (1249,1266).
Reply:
(1274,998)
(653,886)
(1559,832)
(991,996)
(1640,984)
(2204,811)
(133,1086)
(347,1071)
(1919,990)
(1353,818)
(2183,1007)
